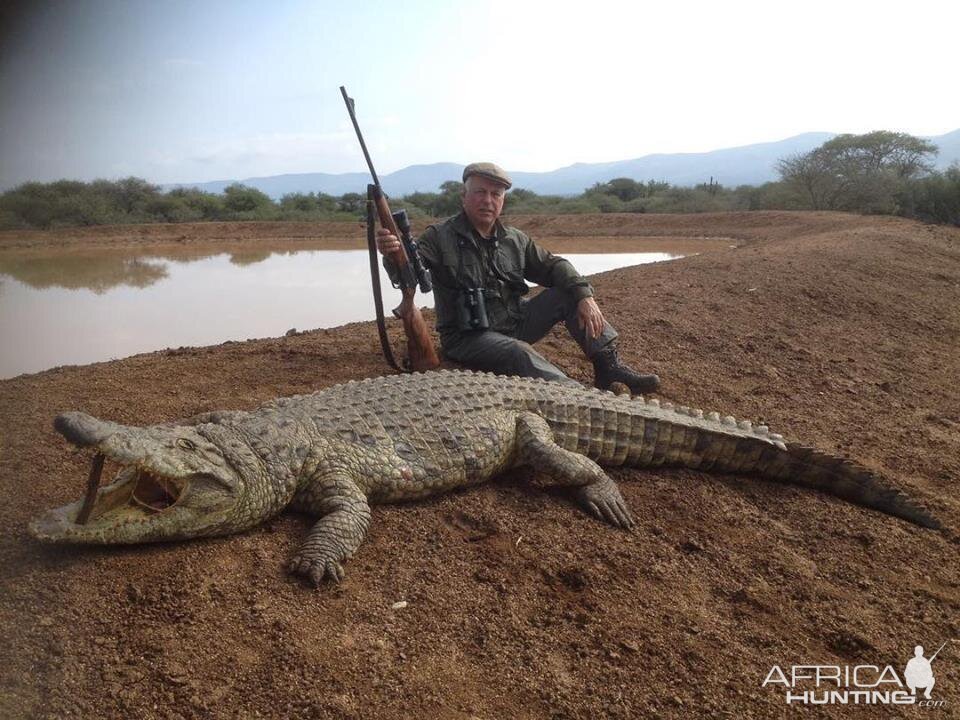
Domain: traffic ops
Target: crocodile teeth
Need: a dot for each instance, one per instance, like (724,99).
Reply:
(728,420)
(745,425)
(713,415)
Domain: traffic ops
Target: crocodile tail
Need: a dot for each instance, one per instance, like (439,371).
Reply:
(842,478)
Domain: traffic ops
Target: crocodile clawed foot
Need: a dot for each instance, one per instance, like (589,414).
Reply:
(315,570)
(604,501)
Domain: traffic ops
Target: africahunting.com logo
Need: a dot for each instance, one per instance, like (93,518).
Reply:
(859,684)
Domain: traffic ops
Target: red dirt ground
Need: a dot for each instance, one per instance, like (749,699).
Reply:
(837,330)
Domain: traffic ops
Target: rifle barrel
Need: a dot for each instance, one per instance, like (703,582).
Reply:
(938,650)
(363,146)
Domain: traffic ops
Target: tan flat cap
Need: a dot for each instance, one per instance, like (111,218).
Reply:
(489,171)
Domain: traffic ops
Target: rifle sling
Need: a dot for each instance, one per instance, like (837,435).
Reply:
(377,294)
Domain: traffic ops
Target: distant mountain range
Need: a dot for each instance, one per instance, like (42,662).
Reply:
(745,165)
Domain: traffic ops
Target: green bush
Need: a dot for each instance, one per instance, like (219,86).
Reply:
(769,196)
(170,208)
(901,184)
(298,203)
(934,198)
(198,204)
(246,203)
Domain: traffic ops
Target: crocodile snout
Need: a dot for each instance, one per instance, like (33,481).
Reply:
(84,430)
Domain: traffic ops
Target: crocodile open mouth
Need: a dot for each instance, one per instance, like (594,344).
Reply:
(155,493)
(135,488)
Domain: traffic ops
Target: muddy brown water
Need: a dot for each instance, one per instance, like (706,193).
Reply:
(74,307)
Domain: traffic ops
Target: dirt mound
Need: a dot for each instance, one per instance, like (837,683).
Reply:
(836,330)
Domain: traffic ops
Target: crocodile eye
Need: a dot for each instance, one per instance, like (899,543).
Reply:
(186,444)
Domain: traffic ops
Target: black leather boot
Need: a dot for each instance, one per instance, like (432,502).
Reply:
(607,370)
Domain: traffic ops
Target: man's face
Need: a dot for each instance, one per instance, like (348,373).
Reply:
(483,201)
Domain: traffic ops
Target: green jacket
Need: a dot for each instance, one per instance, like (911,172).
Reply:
(458,258)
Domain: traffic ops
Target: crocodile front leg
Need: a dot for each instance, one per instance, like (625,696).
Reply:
(596,492)
(338,533)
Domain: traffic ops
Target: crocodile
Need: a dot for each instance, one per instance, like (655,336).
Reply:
(335,452)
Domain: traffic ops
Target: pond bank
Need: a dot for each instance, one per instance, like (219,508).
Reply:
(836,330)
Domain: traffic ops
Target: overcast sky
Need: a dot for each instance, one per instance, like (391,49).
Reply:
(180,91)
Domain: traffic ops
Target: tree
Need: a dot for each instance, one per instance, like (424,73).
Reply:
(326,203)
(424,201)
(443,204)
(934,198)
(521,195)
(858,172)
(520,200)
(450,200)
(298,202)
(199,204)
(129,196)
(811,174)
(352,202)
(247,203)
(624,189)
(905,155)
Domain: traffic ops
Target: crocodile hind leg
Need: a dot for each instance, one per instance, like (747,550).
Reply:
(596,492)
(338,533)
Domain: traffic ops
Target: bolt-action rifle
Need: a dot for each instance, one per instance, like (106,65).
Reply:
(420,350)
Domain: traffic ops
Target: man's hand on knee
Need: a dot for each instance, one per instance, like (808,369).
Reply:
(590,317)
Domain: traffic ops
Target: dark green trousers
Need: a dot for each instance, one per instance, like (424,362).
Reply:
(513,354)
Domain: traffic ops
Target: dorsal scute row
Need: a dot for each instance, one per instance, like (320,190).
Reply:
(727,422)
(463,390)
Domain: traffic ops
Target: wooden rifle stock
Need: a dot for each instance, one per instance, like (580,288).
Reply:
(420,350)
(419,343)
